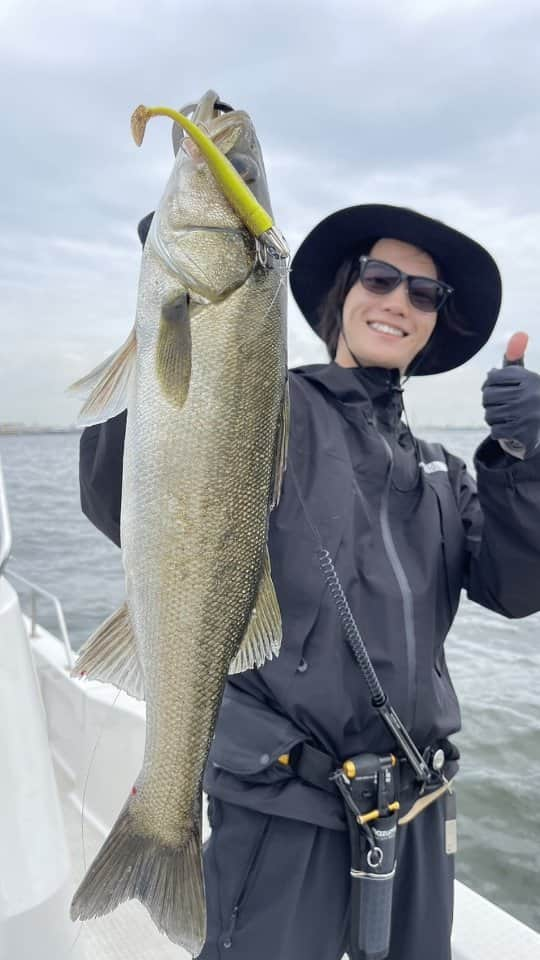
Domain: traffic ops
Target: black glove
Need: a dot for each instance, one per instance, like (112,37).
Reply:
(511,399)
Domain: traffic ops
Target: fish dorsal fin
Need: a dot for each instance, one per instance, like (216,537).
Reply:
(282,443)
(173,355)
(262,639)
(110,655)
(106,387)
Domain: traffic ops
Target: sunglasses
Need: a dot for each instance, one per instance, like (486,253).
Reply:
(426,294)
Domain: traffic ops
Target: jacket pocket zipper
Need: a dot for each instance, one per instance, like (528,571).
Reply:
(228,935)
(444,556)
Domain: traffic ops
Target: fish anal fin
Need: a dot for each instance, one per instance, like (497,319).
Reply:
(282,442)
(110,655)
(262,639)
(173,356)
(106,387)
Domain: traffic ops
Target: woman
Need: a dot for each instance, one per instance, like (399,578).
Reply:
(393,294)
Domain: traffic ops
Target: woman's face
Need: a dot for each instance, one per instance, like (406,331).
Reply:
(361,309)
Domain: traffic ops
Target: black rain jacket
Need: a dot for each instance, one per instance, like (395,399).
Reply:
(407,529)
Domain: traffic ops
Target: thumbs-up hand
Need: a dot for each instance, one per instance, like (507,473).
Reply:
(511,399)
(515,350)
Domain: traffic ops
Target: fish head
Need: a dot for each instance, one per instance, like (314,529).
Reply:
(196,232)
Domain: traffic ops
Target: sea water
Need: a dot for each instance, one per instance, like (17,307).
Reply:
(494,662)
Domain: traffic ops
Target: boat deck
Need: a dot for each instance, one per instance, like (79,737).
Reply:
(78,713)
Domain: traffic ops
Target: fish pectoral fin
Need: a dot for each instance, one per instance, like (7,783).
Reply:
(173,355)
(282,443)
(110,655)
(262,639)
(106,387)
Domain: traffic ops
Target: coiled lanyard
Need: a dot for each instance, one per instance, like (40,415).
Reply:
(379,700)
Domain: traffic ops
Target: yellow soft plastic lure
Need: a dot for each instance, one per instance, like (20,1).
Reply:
(255,217)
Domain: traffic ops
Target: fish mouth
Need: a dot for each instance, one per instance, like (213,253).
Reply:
(233,133)
(209,109)
(231,130)
(231,153)
(215,139)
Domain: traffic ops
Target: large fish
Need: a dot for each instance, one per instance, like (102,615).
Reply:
(203,374)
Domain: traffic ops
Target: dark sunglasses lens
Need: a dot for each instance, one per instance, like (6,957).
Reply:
(425,294)
(379,278)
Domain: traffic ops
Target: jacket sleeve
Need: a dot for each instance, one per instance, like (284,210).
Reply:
(101,454)
(501,517)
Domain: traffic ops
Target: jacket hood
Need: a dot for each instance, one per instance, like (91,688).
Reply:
(371,392)
(368,387)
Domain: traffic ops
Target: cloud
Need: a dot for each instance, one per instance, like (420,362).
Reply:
(426,103)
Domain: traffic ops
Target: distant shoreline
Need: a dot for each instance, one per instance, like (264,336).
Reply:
(18,431)
(436,426)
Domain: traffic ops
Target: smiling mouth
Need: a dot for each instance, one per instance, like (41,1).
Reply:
(387,329)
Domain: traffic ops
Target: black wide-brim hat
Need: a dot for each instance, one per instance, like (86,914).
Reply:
(144,226)
(466,266)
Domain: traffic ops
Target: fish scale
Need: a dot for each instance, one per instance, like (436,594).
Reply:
(204,378)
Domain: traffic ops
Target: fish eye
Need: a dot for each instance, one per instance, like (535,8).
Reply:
(245,165)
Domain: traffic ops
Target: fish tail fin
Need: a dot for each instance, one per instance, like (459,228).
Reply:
(168,880)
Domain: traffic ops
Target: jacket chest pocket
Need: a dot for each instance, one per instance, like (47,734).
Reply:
(452,538)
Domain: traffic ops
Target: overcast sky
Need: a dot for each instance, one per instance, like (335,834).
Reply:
(430,104)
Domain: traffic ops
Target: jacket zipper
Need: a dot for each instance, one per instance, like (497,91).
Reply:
(228,934)
(439,661)
(404,586)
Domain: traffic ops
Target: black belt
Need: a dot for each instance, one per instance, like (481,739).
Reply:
(315,766)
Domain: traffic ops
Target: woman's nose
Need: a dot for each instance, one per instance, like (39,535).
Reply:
(397,299)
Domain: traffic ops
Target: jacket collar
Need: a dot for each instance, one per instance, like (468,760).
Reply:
(367,389)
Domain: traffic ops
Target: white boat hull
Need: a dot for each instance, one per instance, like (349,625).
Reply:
(35,875)
(95,737)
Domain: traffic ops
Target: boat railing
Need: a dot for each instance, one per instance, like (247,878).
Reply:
(36,592)
(6,540)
